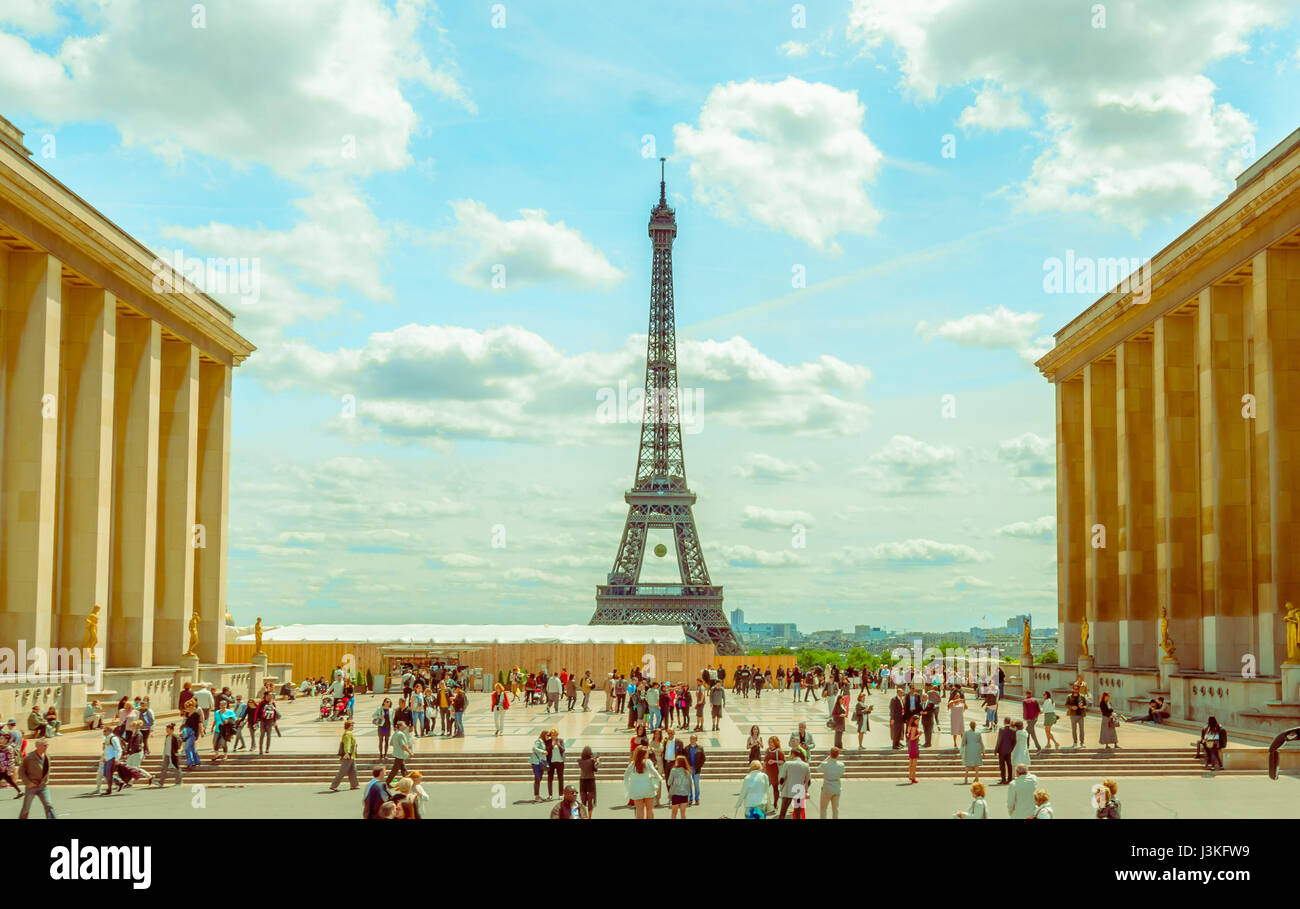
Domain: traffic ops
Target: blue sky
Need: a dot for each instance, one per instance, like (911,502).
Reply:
(800,138)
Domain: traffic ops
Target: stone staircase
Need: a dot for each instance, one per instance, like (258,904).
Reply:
(318,769)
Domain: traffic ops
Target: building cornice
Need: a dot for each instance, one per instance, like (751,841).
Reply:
(1264,211)
(40,210)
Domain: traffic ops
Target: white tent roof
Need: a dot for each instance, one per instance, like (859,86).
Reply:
(477,634)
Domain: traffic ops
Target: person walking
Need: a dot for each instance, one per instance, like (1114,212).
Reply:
(1109,736)
(956,716)
(695,758)
(795,781)
(588,764)
(170,757)
(383,720)
(862,716)
(588,683)
(896,711)
(112,750)
(554,762)
(1020,794)
(1076,707)
(837,720)
(832,771)
(755,793)
(1005,744)
(537,760)
(1029,711)
(979,808)
(1020,753)
(717,700)
(913,746)
(679,787)
(403,748)
(376,794)
(500,704)
(347,759)
(1049,720)
(553,689)
(34,774)
(1042,806)
(642,781)
(773,761)
(972,753)
(1213,738)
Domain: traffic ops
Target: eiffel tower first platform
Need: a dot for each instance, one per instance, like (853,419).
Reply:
(659,497)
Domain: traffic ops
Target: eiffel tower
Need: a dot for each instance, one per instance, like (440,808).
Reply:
(659,497)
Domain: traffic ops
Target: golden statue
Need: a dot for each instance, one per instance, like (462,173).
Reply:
(1292,621)
(1083,638)
(92,629)
(257,634)
(1024,641)
(1165,644)
(192,650)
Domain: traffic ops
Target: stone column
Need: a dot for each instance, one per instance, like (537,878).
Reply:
(1227,626)
(1071,537)
(86,496)
(30,314)
(1275,312)
(1177,476)
(1101,502)
(1137,550)
(135,506)
(178,432)
(211,516)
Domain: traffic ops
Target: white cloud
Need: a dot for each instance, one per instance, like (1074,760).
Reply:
(1030,455)
(747,556)
(966,581)
(1131,125)
(907,466)
(995,328)
(259,83)
(910,552)
(794,49)
(759,466)
(32,17)
(764,518)
(1043,528)
(790,155)
(994,110)
(445,382)
(531,249)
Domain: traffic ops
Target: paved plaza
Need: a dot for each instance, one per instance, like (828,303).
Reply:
(1235,797)
(775,713)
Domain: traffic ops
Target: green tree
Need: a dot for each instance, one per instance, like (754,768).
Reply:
(1048,656)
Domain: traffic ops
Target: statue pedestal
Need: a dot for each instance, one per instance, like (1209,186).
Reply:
(1086,664)
(188,670)
(1291,683)
(256,675)
(1168,669)
(1027,683)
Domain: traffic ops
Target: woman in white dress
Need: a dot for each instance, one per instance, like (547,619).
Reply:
(956,716)
(1021,753)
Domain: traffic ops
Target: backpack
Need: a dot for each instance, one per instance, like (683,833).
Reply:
(268,712)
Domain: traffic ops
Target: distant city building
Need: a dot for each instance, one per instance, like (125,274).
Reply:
(737,620)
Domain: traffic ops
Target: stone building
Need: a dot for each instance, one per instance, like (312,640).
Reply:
(1178,465)
(115,430)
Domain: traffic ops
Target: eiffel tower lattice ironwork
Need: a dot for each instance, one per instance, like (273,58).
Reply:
(659,497)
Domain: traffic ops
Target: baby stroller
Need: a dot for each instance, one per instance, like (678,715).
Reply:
(326,708)
(340,709)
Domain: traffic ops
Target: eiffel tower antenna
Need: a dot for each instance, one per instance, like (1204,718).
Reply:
(659,498)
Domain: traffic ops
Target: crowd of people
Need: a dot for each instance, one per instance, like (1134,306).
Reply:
(666,756)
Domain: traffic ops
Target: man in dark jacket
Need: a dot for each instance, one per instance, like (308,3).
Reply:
(695,758)
(34,772)
(376,794)
(1006,744)
(896,718)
